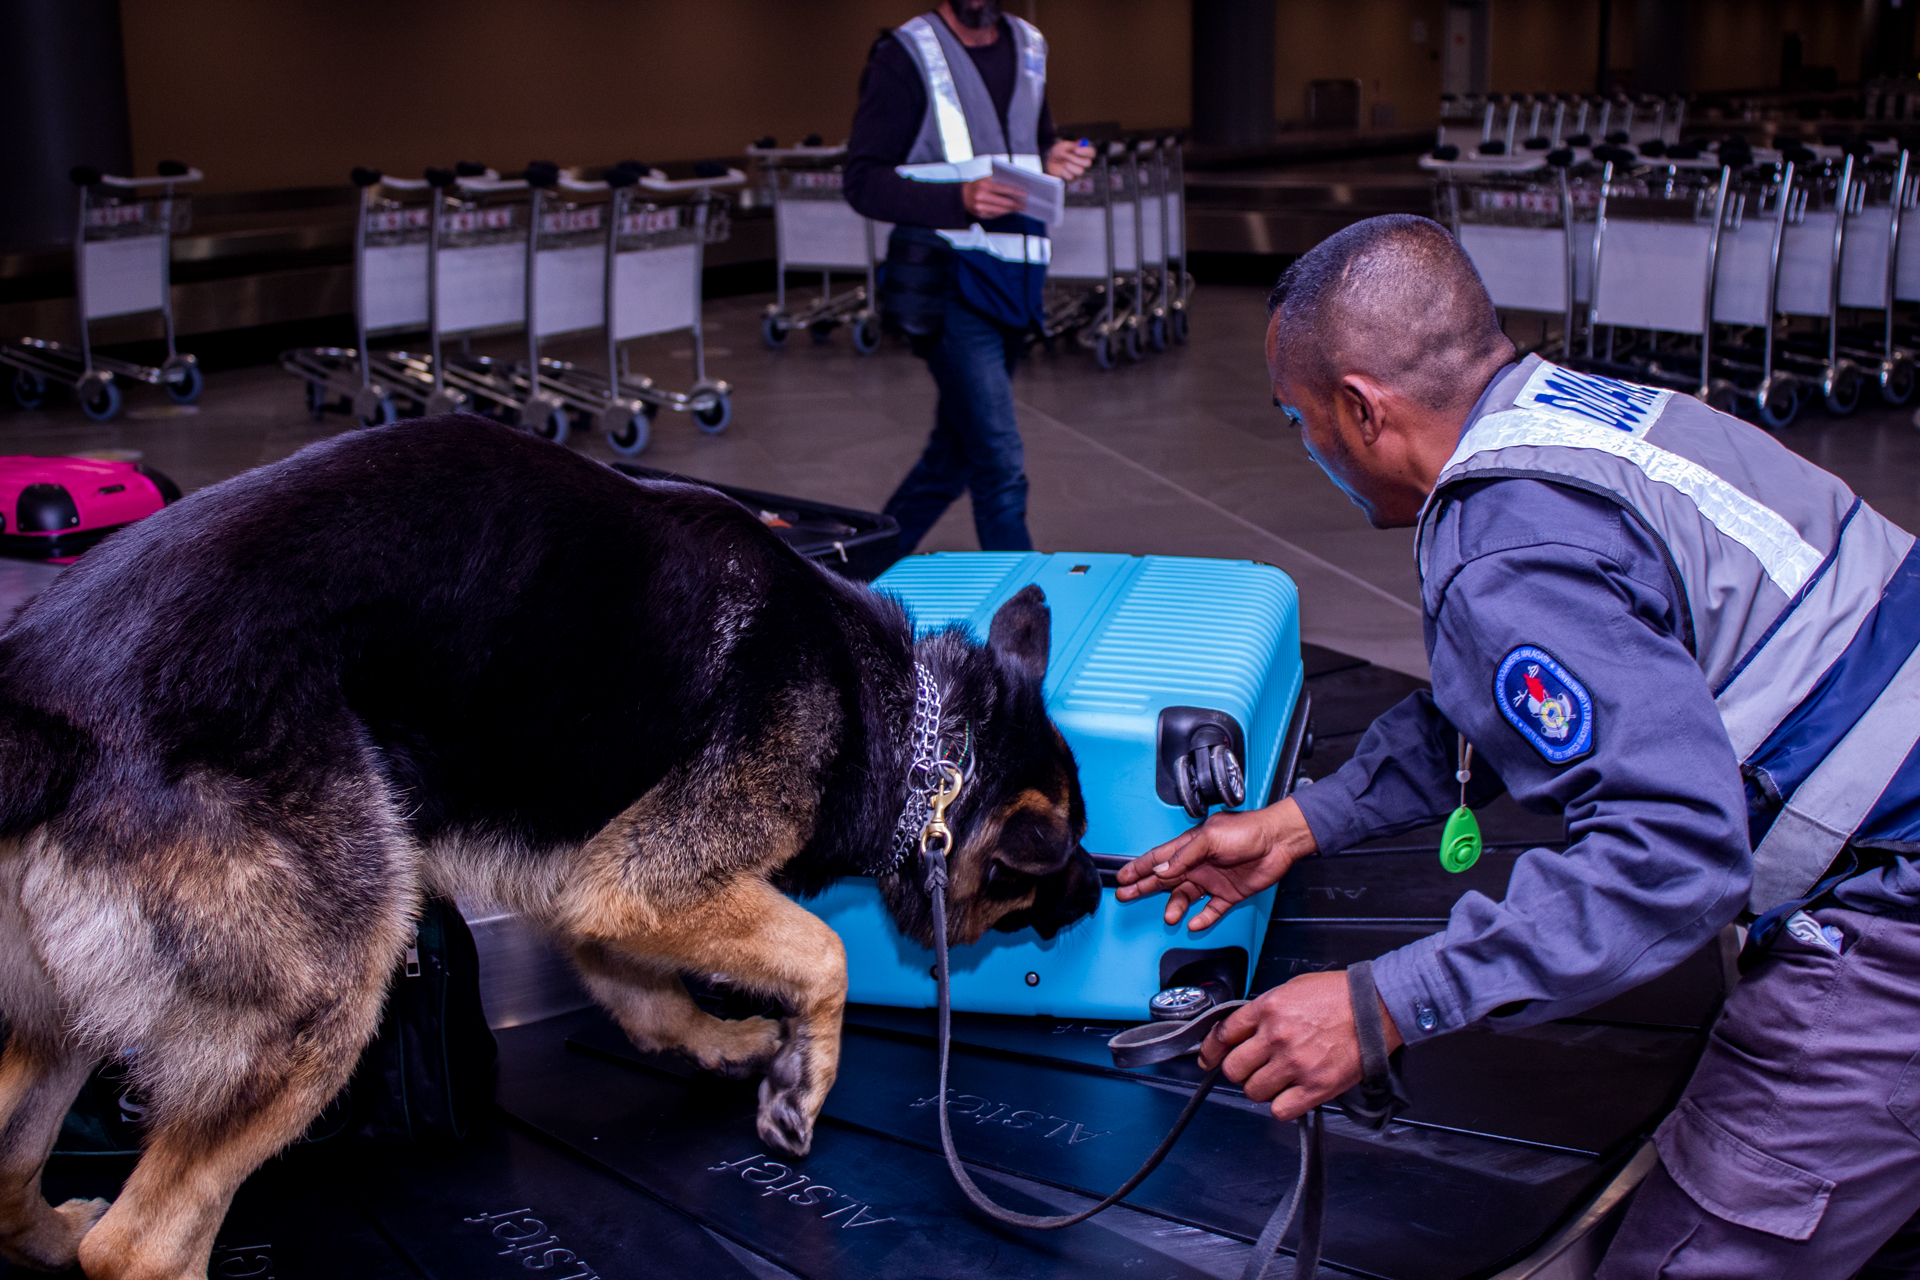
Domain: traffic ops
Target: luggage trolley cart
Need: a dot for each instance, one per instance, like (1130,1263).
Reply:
(1881,193)
(1098,239)
(1518,228)
(815,229)
(654,286)
(1079,292)
(1760,201)
(390,246)
(122,266)
(1812,244)
(1655,245)
(1150,233)
(1173,235)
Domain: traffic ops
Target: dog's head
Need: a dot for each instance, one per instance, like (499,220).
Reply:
(1016,860)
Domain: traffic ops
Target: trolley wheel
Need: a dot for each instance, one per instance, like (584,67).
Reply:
(773,329)
(1844,398)
(101,402)
(1103,351)
(866,333)
(556,426)
(1776,406)
(316,400)
(714,418)
(29,389)
(1158,333)
(1179,324)
(384,414)
(632,437)
(1134,347)
(1896,383)
(186,388)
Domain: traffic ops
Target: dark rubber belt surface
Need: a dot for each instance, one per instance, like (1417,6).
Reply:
(858,1206)
(1397,1206)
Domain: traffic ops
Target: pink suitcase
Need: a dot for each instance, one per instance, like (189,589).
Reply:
(55,508)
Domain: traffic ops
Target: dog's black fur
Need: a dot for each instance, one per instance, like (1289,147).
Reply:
(240,737)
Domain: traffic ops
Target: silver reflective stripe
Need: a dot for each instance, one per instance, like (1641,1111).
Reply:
(1816,633)
(1008,246)
(1781,551)
(955,141)
(1837,796)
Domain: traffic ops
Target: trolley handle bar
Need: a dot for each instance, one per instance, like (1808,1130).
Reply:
(732,178)
(82,176)
(814,153)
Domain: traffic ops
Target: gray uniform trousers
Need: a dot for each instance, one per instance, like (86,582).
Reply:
(1795,1151)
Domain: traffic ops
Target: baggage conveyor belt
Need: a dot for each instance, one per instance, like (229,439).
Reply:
(604,1162)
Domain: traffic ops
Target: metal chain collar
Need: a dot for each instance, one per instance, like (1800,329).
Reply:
(926,769)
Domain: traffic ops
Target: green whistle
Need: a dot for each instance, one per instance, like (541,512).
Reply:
(1460,840)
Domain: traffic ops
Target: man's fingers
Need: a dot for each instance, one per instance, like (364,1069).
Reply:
(1294,1102)
(1178,902)
(1142,867)
(1215,908)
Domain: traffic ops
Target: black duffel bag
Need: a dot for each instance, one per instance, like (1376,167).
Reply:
(427,1074)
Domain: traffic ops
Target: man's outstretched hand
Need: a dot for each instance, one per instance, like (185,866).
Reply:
(1295,1045)
(1226,860)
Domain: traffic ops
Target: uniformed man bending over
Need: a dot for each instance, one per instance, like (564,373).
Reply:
(1700,648)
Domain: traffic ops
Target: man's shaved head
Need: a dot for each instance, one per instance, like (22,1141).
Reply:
(1394,297)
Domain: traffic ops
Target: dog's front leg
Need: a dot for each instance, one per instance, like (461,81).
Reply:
(765,942)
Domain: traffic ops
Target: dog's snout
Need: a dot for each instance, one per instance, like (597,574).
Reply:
(1076,896)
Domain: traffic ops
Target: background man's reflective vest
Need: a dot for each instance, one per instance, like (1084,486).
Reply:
(1801,603)
(1002,265)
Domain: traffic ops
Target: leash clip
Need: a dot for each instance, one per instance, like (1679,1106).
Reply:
(938,800)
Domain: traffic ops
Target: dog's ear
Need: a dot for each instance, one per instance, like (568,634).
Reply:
(1023,629)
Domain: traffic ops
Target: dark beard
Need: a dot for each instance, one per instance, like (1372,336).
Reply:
(978,15)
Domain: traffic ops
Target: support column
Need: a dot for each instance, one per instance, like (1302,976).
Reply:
(1662,43)
(1233,48)
(63,96)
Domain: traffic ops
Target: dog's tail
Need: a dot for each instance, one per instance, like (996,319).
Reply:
(41,757)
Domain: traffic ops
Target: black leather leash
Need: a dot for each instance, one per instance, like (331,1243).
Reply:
(1372,1102)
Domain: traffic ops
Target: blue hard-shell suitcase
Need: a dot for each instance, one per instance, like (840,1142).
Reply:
(1150,655)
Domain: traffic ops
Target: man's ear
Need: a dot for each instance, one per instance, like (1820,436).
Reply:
(1366,402)
(1023,629)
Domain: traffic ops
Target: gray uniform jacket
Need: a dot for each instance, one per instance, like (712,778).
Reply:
(1566,646)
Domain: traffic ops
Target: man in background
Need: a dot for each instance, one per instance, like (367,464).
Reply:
(941,97)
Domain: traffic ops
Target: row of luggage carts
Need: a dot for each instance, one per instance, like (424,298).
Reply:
(1117,285)
(1755,278)
(1487,125)
(122,255)
(464,253)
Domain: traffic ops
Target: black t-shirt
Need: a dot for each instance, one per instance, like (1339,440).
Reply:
(893,101)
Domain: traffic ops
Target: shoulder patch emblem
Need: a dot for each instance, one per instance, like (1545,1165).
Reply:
(1546,704)
(1607,402)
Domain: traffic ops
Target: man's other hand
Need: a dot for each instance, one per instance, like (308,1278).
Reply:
(1068,160)
(1226,859)
(987,199)
(1295,1045)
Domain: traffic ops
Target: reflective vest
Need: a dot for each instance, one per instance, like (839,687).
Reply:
(1002,265)
(1800,602)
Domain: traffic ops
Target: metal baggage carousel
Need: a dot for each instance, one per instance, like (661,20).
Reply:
(604,1162)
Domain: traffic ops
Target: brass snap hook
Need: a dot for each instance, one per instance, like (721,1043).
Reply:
(941,798)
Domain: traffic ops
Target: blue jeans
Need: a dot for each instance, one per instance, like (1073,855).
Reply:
(975,443)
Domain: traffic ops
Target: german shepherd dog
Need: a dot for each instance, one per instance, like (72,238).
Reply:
(242,738)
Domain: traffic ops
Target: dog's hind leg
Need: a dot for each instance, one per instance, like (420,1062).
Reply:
(766,942)
(38,1082)
(652,1006)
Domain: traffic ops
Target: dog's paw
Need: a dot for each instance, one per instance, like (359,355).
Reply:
(738,1049)
(790,1097)
(53,1242)
(784,1123)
